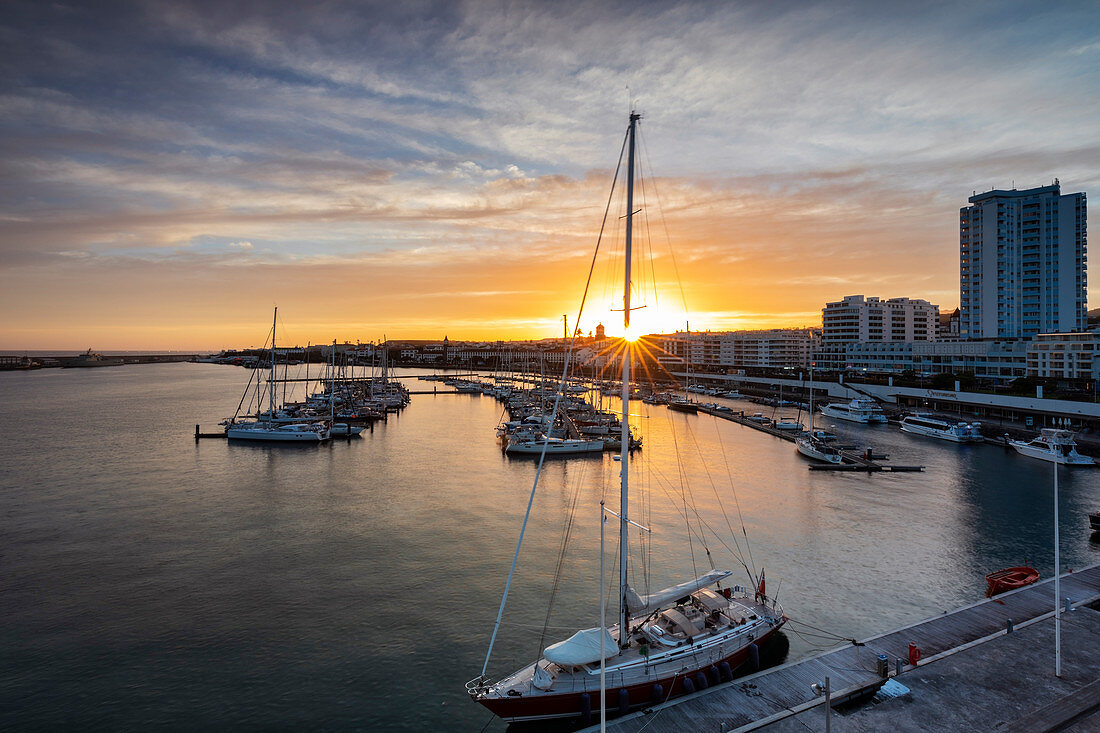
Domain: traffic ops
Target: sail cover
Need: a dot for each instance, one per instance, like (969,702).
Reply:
(582,647)
(640,604)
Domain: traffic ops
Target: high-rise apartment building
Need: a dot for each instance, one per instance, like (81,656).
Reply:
(1022,260)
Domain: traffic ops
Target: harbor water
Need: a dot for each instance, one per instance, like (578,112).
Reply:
(150,581)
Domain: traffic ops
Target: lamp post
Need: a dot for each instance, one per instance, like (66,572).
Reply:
(1057,586)
(818,689)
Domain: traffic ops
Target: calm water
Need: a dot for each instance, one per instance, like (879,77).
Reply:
(151,582)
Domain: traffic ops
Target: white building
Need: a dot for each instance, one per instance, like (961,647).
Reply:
(856,318)
(1064,355)
(779,348)
(872,327)
(1022,260)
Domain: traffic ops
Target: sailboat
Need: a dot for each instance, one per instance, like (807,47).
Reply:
(810,444)
(266,427)
(665,644)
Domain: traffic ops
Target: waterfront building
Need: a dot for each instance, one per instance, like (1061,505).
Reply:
(1022,263)
(1064,355)
(873,330)
(778,348)
(856,318)
(1052,355)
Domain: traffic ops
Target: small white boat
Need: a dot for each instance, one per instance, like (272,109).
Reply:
(345,429)
(819,450)
(786,423)
(1056,446)
(959,432)
(861,410)
(759,417)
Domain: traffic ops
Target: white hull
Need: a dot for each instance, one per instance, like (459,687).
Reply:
(278,434)
(953,433)
(818,452)
(843,412)
(557,447)
(1045,454)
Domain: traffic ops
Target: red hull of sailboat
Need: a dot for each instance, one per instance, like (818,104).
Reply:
(570,704)
(1010,579)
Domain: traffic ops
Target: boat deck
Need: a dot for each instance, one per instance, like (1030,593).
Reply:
(752,702)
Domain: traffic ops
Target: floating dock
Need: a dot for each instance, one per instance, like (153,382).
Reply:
(994,646)
(853,461)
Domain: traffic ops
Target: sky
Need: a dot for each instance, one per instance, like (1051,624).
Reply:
(171,171)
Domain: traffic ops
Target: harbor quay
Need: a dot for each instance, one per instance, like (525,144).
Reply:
(988,666)
(1011,414)
(11,362)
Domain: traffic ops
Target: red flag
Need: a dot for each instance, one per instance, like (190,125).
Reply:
(761,594)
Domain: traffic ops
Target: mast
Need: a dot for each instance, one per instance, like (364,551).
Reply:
(271,384)
(628,353)
(811,399)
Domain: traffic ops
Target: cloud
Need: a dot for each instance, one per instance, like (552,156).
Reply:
(417,140)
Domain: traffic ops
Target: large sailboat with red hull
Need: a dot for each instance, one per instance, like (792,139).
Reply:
(665,644)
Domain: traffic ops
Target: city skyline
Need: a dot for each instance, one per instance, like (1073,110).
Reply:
(175,170)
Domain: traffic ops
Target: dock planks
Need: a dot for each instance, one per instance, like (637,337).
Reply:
(751,702)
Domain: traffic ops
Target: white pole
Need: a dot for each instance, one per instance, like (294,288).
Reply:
(603,633)
(1057,586)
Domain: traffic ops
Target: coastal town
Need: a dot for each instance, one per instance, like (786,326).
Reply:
(572,367)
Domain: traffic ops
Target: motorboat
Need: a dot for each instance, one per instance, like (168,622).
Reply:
(1054,445)
(933,427)
(1008,579)
(861,410)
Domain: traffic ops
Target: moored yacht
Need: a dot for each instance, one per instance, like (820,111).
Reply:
(1054,445)
(277,433)
(665,644)
(266,427)
(933,427)
(861,410)
(813,444)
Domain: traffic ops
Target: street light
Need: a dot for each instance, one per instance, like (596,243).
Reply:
(818,689)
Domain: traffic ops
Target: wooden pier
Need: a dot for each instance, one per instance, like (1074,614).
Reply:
(853,461)
(767,697)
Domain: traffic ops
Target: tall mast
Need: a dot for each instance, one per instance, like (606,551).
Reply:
(628,353)
(271,385)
